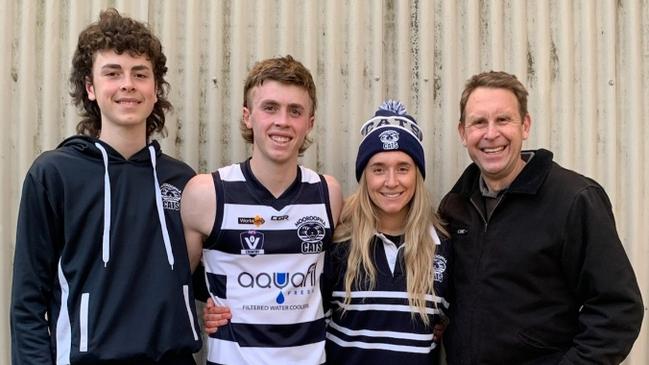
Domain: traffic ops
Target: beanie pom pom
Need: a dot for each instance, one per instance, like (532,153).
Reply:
(393,106)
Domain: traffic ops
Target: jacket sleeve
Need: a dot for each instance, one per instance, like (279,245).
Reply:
(33,276)
(598,270)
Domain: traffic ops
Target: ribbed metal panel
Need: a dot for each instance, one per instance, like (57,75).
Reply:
(586,64)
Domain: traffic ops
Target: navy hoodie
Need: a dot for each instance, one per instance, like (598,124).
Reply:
(101,272)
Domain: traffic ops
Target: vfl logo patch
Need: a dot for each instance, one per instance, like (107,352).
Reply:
(170,197)
(311,230)
(252,243)
(390,139)
(256,220)
(439,265)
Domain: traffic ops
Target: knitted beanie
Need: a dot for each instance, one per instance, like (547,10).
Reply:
(391,129)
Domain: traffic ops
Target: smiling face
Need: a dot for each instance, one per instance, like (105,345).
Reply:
(124,88)
(391,179)
(493,133)
(279,116)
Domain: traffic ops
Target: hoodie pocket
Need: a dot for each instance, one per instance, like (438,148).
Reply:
(83,322)
(189,311)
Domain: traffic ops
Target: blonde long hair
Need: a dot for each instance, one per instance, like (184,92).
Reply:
(359,224)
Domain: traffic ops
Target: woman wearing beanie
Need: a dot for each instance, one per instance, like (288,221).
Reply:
(386,275)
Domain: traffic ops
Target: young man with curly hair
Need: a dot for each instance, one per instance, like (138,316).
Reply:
(101,269)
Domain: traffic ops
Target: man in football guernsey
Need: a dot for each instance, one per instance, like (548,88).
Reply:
(387,272)
(264,225)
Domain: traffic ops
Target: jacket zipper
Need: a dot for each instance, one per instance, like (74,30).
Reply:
(484,219)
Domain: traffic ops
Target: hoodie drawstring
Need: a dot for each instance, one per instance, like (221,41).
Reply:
(161,215)
(105,242)
(105,245)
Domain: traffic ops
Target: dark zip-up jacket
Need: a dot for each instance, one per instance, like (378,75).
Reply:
(101,272)
(544,280)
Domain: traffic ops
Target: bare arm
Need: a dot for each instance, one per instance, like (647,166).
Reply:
(198,211)
(335,197)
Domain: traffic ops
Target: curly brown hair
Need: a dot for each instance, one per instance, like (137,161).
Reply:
(285,70)
(120,34)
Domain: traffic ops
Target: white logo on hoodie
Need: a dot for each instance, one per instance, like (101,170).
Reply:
(170,197)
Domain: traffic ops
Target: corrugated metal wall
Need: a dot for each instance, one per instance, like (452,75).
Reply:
(586,64)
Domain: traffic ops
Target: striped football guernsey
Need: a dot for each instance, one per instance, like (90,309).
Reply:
(263,259)
(377,326)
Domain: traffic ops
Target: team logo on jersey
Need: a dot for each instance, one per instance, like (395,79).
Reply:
(256,220)
(439,265)
(252,243)
(311,230)
(170,197)
(390,139)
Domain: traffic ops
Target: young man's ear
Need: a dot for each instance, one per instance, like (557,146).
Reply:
(246,117)
(311,122)
(90,89)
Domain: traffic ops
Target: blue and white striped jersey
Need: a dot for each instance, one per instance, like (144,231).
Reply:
(264,259)
(377,325)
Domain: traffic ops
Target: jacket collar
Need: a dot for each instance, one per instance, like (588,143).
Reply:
(529,180)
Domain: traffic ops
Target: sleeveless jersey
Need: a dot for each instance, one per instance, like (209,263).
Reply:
(264,259)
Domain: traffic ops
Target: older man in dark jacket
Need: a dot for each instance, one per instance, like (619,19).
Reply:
(540,274)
